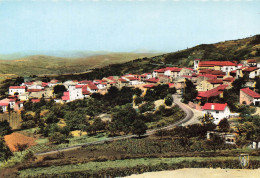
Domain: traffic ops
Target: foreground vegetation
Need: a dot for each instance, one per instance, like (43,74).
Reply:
(132,166)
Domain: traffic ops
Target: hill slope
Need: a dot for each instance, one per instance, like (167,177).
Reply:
(41,64)
(229,50)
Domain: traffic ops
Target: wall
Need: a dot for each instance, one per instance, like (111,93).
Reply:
(245,98)
(14,119)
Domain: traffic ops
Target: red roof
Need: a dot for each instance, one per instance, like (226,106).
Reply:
(160,70)
(215,81)
(209,76)
(35,100)
(173,69)
(66,96)
(152,80)
(218,72)
(4,104)
(233,71)
(34,90)
(251,93)
(186,76)
(229,79)
(214,106)
(84,82)
(213,92)
(110,77)
(66,93)
(17,87)
(44,84)
(194,75)
(206,71)
(171,85)
(122,80)
(148,86)
(79,86)
(92,86)
(250,69)
(28,83)
(251,61)
(216,63)
(132,78)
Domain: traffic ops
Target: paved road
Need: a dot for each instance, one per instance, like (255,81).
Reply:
(189,115)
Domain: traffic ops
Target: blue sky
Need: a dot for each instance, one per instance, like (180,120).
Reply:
(123,25)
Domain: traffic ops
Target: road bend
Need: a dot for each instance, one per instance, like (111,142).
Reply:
(188,116)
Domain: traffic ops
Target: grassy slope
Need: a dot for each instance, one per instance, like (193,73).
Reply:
(229,50)
(40,64)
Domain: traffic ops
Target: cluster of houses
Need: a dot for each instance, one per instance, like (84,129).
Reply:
(210,77)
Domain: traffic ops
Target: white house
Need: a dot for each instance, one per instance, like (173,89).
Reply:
(133,80)
(75,92)
(17,90)
(217,110)
(4,106)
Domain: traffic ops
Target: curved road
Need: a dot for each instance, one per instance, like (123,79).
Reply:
(176,98)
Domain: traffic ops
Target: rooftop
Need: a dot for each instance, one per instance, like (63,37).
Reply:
(250,93)
(214,106)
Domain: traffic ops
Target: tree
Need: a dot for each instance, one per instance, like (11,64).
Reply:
(238,84)
(257,85)
(189,92)
(249,129)
(21,147)
(59,89)
(172,90)
(97,125)
(146,107)
(138,100)
(123,118)
(207,122)
(215,142)
(168,100)
(57,138)
(223,125)
(75,119)
(5,152)
(5,128)
(139,127)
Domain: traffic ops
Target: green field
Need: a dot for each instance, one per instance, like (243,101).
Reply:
(97,166)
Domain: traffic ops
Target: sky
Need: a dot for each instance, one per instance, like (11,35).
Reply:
(123,26)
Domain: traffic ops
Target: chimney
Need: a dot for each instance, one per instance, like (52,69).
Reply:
(212,107)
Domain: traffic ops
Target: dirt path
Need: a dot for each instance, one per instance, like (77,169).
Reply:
(202,173)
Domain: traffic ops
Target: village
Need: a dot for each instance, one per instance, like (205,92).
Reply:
(211,78)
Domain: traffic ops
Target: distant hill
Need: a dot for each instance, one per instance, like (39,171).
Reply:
(233,50)
(121,63)
(42,64)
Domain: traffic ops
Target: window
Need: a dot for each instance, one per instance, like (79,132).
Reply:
(216,118)
(217,112)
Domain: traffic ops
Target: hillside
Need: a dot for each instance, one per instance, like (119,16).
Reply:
(41,64)
(228,50)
